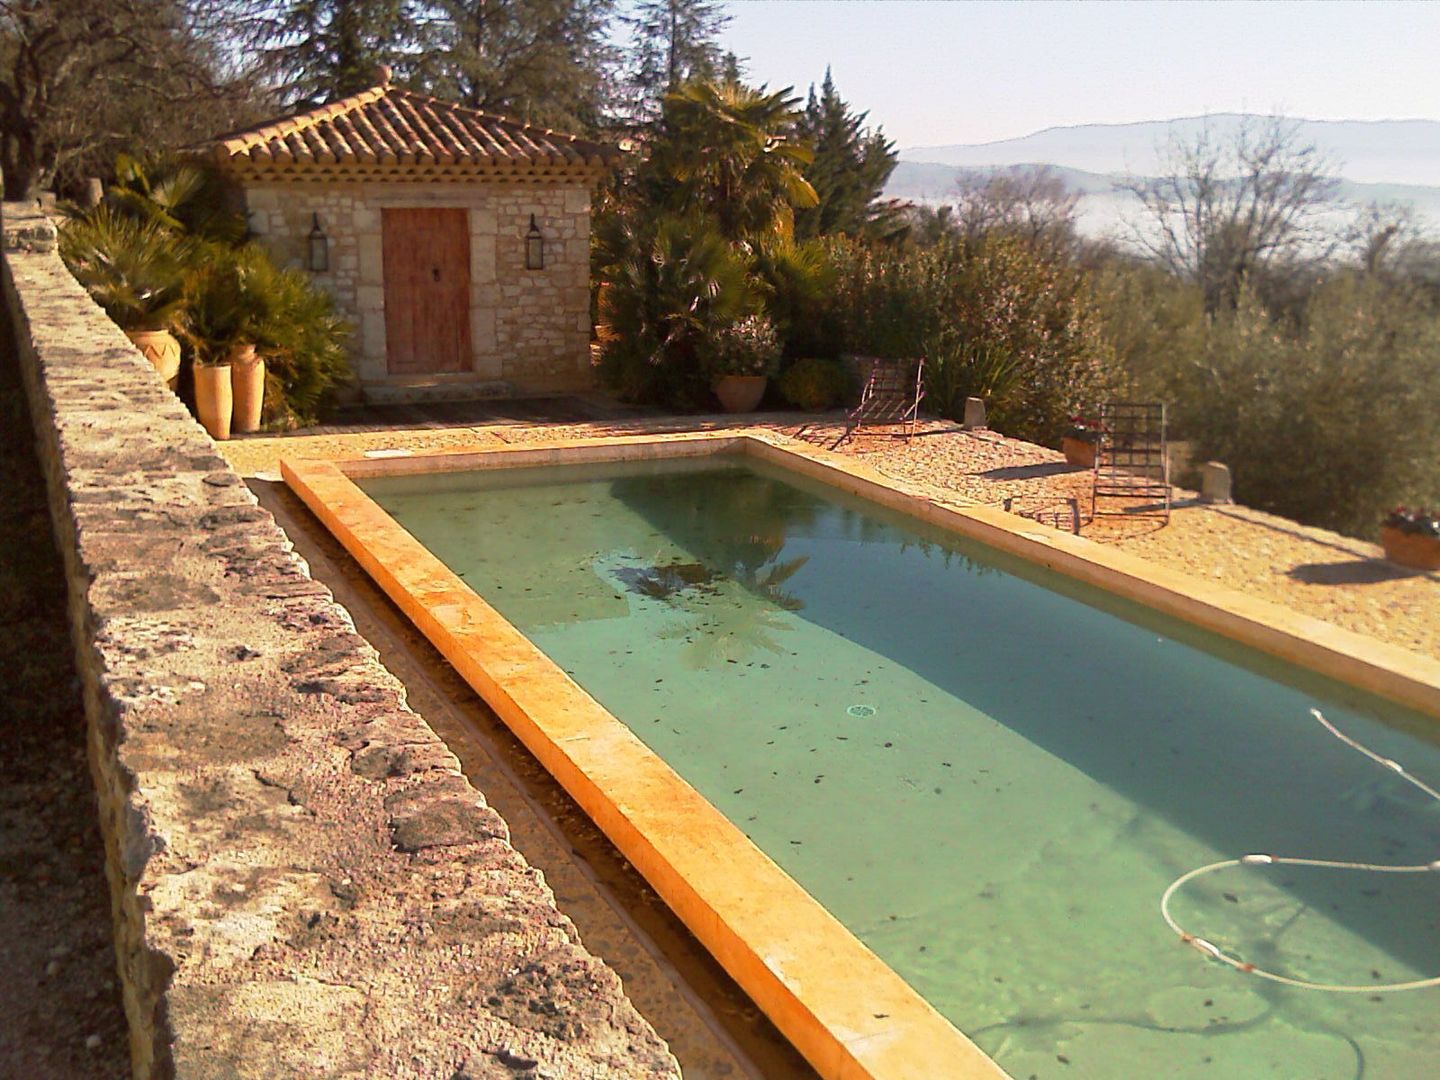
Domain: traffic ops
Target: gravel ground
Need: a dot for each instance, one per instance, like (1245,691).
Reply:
(60,1012)
(1331,577)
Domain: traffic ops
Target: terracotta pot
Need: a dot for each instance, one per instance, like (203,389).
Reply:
(1410,549)
(162,350)
(213,399)
(740,393)
(1079,451)
(247,383)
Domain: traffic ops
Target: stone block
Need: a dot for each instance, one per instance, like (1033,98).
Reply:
(1215,483)
(974,414)
(577,200)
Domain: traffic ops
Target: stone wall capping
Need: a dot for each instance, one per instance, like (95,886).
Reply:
(299,872)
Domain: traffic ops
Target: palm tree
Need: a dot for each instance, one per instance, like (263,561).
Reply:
(672,284)
(733,152)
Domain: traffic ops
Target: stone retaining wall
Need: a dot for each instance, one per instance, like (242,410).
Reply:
(303,883)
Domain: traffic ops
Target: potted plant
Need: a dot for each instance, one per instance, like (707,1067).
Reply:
(223,314)
(741,358)
(1412,538)
(1081,442)
(136,272)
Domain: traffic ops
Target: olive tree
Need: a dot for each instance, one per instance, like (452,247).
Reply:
(1232,207)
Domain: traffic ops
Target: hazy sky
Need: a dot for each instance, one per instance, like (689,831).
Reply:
(946,72)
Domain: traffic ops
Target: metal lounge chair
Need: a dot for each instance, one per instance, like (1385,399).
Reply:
(892,394)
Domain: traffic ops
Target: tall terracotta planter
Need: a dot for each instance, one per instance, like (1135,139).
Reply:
(162,350)
(739,393)
(214,399)
(247,384)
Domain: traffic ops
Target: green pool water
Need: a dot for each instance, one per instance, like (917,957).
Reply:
(989,773)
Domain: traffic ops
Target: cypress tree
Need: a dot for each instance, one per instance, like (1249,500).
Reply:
(851,165)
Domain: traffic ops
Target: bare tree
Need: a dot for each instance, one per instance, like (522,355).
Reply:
(1380,234)
(1257,201)
(80,79)
(1032,202)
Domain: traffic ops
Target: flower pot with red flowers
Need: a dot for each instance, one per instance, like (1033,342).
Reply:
(1082,442)
(1412,538)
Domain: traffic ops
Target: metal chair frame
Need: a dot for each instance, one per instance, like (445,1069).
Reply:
(1133,459)
(890,396)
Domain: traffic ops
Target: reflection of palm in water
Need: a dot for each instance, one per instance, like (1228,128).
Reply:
(725,616)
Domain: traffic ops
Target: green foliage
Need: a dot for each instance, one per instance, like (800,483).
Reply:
(302,340)
(748,346)
(543,61)
(223,306)
(673,284)
(673,42)
(815,384)
(184,197)
(731,153)
(849,170)
(792,279)
(1328,423)
(134,270)
(1005,322)
(956,369)
(317,50)
(702,238)
(161,253)
(1149,317)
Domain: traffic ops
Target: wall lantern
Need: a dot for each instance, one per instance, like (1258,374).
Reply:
(319,247)
(534,247)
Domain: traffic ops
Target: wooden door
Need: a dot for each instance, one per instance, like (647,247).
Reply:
(427,290)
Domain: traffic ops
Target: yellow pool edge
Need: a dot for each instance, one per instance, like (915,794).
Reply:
(843,1008)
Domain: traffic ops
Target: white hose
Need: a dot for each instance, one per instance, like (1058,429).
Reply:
(1214,952)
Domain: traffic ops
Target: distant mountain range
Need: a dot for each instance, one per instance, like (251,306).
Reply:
(1377,160)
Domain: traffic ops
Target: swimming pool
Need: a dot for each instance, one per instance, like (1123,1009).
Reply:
(988,772)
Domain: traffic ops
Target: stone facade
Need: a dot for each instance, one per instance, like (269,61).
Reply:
(302,881)
(529,329)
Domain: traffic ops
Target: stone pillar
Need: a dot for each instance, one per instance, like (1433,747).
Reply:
(1215,483)
(974,413)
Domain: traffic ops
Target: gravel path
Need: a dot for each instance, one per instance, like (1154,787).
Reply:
(60,1012)
(1318,573)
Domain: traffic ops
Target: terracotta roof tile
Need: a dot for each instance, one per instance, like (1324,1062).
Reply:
(385,125)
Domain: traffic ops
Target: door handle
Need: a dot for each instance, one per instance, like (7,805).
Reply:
(435,273)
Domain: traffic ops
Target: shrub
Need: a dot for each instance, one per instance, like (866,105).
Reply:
(302,340)
(672,287)
(134,270)
(998,320)
(748,346)
(1328,423)
(814,384)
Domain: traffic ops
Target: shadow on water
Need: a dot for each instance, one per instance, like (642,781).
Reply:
(1210,736)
